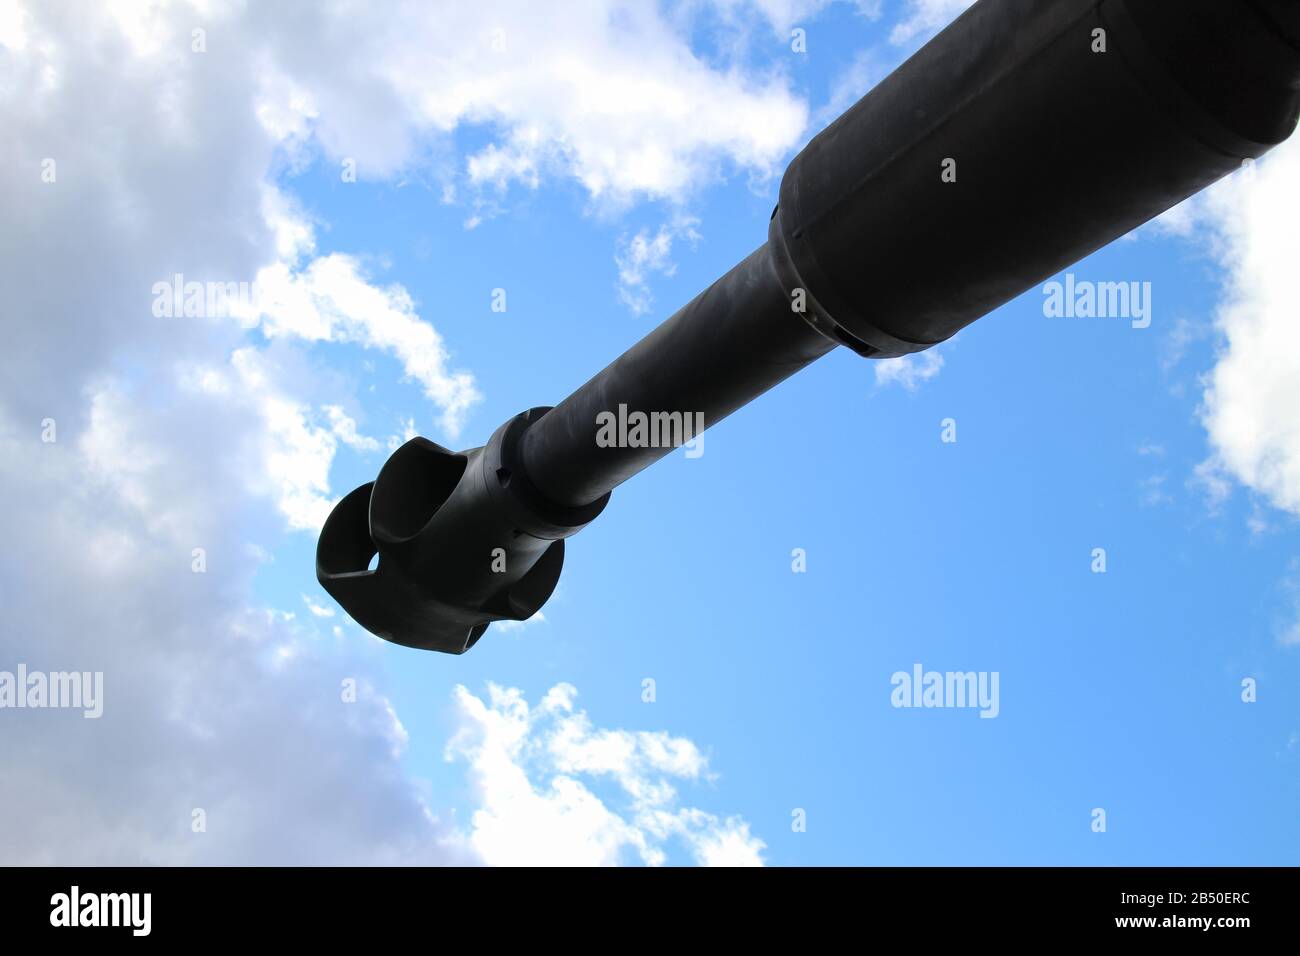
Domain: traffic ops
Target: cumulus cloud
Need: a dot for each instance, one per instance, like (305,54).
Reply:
(1250,405)
(331,300)
(535,770)
(132,564)
(186,445)
(1252,397)
(289,448)
(608,93)
(243,713)
(909,371)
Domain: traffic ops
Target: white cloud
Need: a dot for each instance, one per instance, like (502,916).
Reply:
(331,300)
(644,255)
(208,704)
(606,92)
(909,371)
(178,434)
(317,610)
(1180,220)
(1251,406)
(287,456)
(927,16)
(528,766)
(345,429)
(172,436)
(12,31)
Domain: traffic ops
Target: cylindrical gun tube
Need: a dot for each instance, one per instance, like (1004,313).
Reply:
(729,344)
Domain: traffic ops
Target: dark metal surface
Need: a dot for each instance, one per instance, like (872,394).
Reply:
(731,343)
(1058,149)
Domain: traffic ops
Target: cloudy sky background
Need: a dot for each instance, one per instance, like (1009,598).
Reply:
(601,163)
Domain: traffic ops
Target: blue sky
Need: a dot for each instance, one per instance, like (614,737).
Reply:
(1171,447)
